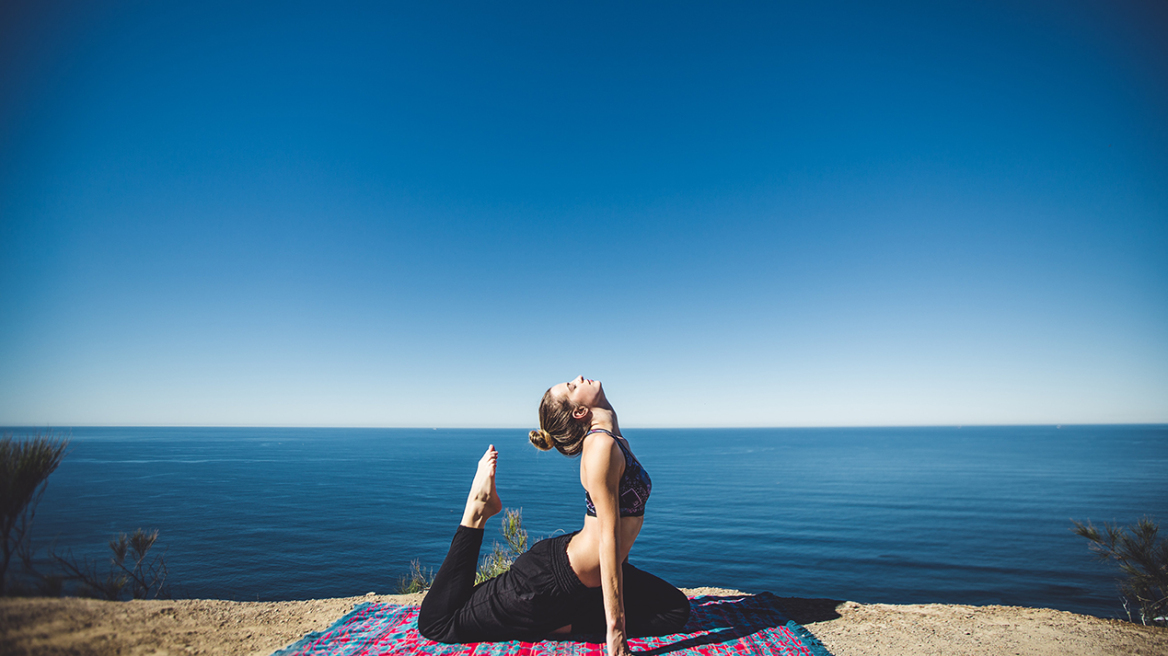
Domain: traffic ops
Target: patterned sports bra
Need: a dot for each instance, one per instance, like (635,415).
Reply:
(635,485)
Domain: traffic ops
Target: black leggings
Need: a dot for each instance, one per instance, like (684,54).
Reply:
(539,594)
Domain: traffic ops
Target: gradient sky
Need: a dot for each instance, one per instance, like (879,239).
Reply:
(424,214)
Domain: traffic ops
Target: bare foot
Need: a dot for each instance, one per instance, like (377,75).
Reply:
(483,501)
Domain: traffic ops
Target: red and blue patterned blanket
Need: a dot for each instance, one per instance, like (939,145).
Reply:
(722,626)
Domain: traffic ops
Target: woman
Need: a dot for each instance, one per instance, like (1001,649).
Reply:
(581,582)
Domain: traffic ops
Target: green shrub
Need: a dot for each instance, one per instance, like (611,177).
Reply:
(25,466)
(1142,557)
(132,572)
(416,580)
(501,556)
(493,564)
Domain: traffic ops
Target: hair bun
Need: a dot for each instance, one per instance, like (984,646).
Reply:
(541,439)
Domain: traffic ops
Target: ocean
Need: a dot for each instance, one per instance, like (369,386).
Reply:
(972,515)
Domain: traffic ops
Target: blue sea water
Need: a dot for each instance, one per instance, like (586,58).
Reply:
(974,515)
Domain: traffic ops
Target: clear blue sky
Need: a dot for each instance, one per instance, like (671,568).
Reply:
(734,214)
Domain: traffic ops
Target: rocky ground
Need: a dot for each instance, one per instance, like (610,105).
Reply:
(88,627)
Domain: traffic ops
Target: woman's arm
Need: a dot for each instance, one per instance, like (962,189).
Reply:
(604,464)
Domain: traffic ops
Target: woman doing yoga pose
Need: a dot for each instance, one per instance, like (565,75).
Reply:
(581,582)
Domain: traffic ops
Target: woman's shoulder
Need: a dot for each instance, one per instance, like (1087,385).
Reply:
(598,436)
(599,442)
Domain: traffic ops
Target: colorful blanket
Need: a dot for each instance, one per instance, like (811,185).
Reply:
(722,626)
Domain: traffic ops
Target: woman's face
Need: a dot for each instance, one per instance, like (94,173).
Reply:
(581,392)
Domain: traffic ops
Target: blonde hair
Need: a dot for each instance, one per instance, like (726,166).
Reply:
(557,427)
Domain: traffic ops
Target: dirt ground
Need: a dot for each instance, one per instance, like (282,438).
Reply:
(88,627)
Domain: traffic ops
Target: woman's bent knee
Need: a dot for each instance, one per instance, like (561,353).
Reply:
(679,615)
(434,628)
(437,634)
(673,618)
(439,637)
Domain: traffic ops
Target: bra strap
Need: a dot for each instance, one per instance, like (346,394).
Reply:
(624,449)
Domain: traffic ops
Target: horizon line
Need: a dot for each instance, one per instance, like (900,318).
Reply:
(49,427)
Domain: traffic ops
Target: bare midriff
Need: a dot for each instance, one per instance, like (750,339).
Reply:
(584,548)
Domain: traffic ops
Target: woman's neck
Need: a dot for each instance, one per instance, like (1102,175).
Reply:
(605,419)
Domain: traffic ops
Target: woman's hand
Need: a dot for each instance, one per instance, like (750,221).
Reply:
(618,645)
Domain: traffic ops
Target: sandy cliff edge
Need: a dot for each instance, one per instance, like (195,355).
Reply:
(90,627)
